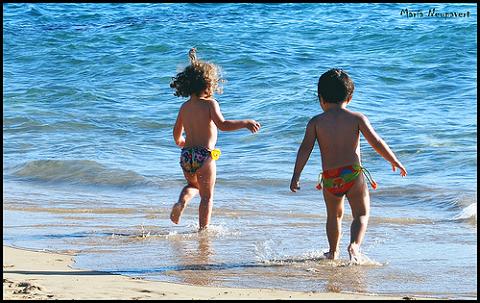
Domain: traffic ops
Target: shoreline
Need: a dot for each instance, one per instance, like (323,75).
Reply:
(37,275)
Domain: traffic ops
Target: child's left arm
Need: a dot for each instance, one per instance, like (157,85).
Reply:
(380,145)
(178,131)
(230,125)
(303,154)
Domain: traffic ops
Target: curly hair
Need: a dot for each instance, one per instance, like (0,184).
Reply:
(198,77)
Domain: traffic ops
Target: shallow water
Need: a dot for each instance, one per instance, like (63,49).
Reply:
(90,164)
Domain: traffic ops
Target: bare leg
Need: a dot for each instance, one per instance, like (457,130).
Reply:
(187,193)
(334,223)
(359,199)
(207,175)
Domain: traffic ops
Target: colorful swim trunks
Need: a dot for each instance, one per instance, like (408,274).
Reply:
(192,158)
(338,181)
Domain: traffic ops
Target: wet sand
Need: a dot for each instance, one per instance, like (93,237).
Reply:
(46,275)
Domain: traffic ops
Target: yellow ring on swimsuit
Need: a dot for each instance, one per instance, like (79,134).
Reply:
(215,154)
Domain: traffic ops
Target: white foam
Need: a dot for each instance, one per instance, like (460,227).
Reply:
(263,251)
(220,230)
(145,233)
(171,234)
(363,260)
(469,212)
(213,230)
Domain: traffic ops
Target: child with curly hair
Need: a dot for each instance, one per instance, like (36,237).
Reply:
(337,131)
(200,117)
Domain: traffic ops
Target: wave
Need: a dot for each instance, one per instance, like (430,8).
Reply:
(85,172)
(467,214)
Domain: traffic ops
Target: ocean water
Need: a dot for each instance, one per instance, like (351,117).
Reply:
(90,165)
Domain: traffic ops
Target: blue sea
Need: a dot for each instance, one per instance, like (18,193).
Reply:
(90,165)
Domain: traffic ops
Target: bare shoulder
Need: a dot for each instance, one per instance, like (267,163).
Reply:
(210,101)
(184,106)
(360,117)
(316,118)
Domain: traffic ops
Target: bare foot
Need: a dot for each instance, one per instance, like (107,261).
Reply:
(354,252)
(331,255)
(177,210)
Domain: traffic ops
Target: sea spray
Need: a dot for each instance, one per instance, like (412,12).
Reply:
(468,213)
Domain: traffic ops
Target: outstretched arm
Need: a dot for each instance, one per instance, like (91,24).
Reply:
(379,145)
(303,154)
(178,131)
(230,125)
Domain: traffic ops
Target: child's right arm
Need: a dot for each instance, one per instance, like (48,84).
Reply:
(379,145)
(230,125)
(303,154)
(178,131)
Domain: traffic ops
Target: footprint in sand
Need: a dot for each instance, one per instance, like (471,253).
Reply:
(25,288)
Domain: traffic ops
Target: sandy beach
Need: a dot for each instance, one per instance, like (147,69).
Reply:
(45,275)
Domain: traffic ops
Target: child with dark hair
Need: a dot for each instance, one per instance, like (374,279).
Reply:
(199,117)
(337,131)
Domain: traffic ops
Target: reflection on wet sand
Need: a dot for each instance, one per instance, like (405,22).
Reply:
(194,253)
(345,278)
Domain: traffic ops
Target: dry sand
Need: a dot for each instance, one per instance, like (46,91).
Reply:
(44,275)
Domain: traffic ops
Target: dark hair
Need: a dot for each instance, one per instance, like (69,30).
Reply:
(335,86)
(199,76)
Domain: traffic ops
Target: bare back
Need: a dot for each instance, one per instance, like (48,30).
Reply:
(338,136)
(200,130)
